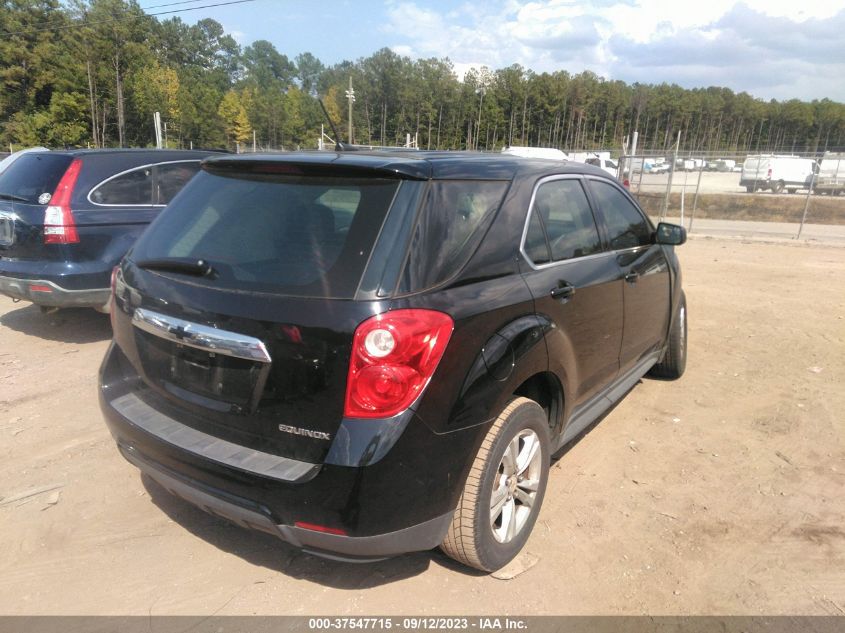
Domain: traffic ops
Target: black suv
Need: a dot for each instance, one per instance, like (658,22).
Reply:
(370,353)
(67,218)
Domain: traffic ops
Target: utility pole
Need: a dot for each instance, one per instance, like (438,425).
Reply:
(350,95)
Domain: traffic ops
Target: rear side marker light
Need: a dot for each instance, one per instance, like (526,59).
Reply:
(40,288)
(319,528)
(394,355)
(59,225)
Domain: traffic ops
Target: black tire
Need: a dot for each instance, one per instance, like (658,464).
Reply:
(749,188)
(472,537)
(674,360)
(791,190)
(778,186)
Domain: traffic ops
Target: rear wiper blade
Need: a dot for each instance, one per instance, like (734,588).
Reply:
(13,197)
(198,267)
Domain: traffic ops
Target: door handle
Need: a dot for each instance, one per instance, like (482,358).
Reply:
(562,292)
(632,277)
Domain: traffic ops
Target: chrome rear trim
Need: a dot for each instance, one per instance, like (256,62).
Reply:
(201,337)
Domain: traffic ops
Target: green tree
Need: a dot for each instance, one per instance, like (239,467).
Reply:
(235,120)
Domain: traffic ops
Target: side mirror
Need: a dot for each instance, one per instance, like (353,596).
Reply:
(671,234)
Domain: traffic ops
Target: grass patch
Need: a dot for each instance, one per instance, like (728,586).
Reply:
(758,207)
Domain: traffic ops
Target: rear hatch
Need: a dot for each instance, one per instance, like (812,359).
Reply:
(756,168)
(237,308)
(27,189)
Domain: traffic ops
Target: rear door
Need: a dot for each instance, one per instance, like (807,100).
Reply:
(643,267)
(575,284)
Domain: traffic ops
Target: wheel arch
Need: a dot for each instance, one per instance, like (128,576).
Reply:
(545,389)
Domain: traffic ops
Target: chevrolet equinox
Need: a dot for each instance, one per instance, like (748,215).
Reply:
(371,353)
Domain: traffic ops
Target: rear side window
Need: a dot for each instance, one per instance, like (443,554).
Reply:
(132,188)
(295,235)
(145,186)
(451,224)
(33,175)
(626,226)
(562,223)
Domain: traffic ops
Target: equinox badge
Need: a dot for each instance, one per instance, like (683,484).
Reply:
(295,430)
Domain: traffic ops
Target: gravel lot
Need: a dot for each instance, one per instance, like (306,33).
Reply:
(722,493)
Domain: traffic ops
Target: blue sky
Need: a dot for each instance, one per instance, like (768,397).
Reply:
(771,48)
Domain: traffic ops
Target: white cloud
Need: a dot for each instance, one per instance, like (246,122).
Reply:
(756,45)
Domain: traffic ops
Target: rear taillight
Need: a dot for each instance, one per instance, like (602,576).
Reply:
(59,225)
(394,356)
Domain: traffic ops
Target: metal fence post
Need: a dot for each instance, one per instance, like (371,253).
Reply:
(695,199)
(806,205)
(669,186)
(642,171)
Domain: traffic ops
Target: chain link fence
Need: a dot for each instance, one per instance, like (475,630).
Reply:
(791,195)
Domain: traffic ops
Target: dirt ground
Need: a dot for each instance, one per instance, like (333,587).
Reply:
(722,493)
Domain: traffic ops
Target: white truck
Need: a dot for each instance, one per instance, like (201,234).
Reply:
(776,172)
(723,164)
(831,178)
(601,160)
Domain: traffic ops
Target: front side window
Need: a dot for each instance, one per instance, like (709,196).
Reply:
(169,178)
(562,211)
(626,226)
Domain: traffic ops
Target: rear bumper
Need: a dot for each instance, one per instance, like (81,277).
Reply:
(48,293)
(254,516)
(404,502)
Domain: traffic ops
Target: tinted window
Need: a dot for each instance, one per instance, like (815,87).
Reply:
(132,188)
(450,227)
(565,213)
(303,236)
(33,174)
(169,178)
(148,185)
(626,226)
(536,246)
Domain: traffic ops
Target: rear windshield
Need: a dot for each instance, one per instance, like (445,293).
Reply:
(755,163)
(295,235)
(32,175)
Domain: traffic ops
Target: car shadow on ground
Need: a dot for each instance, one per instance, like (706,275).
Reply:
(264,550)
(71,325)
(561,453)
